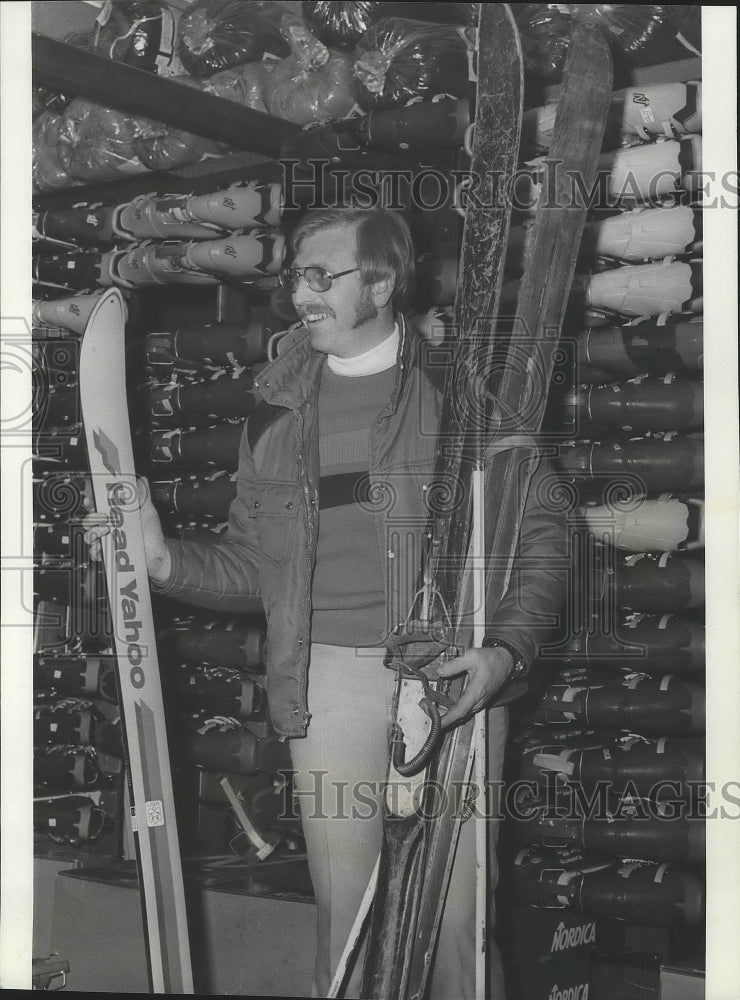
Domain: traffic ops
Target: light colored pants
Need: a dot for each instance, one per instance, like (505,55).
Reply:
(343,763)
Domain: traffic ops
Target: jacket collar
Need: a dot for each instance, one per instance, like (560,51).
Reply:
(292,378)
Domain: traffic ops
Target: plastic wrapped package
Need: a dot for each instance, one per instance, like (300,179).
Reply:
(160,147)
(164,148)
(218,34)
(341,24)
(312,84)
(243,85)
(305,96)
(544,31)
(639,34)
(397,60)
(50,166)
(632,29)
(100,141)
(140,33)
(304,45)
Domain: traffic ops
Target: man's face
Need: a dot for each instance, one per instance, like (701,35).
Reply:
(344,320)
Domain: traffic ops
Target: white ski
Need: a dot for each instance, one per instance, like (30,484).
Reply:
(102,379)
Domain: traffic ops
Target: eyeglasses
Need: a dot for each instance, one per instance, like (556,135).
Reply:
(317,278)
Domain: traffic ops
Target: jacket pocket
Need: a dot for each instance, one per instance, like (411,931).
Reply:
(276,509)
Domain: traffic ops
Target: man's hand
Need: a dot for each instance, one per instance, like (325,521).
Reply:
(158,559)
(488,670)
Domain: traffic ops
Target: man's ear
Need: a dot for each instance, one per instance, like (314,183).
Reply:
(382,290)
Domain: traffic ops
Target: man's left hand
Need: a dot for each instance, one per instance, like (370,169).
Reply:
(488,669)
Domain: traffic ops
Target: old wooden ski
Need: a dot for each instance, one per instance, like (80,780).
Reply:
(102,377)
(417,853)
(402,874)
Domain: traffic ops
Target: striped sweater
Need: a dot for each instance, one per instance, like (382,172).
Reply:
(348,584)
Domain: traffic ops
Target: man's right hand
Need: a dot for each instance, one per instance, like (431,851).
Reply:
(158,558)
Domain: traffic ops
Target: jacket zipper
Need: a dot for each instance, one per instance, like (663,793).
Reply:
(383,540)
(305,717)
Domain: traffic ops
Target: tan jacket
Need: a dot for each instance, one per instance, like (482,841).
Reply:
(269,549)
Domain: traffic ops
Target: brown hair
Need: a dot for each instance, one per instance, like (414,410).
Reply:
(384,244)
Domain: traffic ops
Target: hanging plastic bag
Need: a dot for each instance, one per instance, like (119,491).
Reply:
(218,34)
(340,25)
(397,60)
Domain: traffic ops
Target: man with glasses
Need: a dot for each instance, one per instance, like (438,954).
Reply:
(326,529)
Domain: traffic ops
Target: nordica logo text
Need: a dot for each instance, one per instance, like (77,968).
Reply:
(128,597)
(569,993)
(571,937)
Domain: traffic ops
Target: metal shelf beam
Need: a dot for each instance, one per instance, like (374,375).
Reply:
(116,85)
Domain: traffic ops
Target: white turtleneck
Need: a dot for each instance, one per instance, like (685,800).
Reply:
(377,359)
